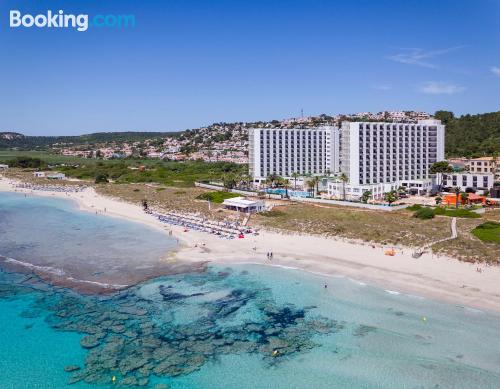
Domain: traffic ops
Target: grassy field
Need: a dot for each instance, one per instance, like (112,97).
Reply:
(397,227)
(167,198)
(429,212)
(467,246)
(217,197)
(170,173)
(488,232)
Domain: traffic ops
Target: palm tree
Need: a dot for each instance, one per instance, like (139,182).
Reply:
(457,192)
(229,180)
(316,180)
(310,186)
(272,179)
(295,175)
(286,184)
(246,179)
(463,198)
(344,179)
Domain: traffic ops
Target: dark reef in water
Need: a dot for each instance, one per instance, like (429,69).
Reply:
(172,325)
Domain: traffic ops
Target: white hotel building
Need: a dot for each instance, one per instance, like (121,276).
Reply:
(375,156)
(381,157)
(286,151)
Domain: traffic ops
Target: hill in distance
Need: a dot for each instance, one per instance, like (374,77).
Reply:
(466,136)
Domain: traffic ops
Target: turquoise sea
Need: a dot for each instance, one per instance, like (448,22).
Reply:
(240,327)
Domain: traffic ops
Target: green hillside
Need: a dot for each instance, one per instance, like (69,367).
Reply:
(9,140)
(471,135)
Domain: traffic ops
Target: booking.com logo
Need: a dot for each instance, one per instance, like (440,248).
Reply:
(59,19)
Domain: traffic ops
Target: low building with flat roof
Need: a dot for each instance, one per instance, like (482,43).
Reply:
(56,176)
(241,204)
(464,180)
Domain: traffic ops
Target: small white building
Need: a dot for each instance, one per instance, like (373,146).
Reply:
(56,176)
(4,167)
(466,180)
(39,174)
(241,204)
(355,192)
(417,187)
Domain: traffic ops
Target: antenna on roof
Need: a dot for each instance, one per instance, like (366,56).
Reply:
(302,113)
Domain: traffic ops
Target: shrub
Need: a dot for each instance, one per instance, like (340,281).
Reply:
(424,213)
(272,213)
(414,207)
(101,179)
(217,197)
(488,232)
(27,163)
(454,212)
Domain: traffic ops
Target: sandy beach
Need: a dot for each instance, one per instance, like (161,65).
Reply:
(439,278)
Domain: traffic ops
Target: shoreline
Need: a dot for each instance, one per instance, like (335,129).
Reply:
(434,277)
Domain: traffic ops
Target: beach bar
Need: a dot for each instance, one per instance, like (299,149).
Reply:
(243,205)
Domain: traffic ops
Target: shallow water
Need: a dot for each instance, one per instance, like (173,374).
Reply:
(221,328)
(54,236)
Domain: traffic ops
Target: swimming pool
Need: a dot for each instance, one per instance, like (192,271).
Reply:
(291,193)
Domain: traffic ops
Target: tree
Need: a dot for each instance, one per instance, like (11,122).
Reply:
(286,184)
(441,167)
(401,191)
(390,197)
(366,196)
(295,175)
(344,179)
(463,198)
(272,179)
(246,179)
(310,187)
(457,192)
(424,213)
(445,116)
(27,162)
(316,180)
(229,181)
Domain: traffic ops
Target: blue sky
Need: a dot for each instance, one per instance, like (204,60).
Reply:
(190,63)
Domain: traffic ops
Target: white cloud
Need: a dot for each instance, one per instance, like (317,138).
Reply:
(495,70)
(420,57)
(440,88)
